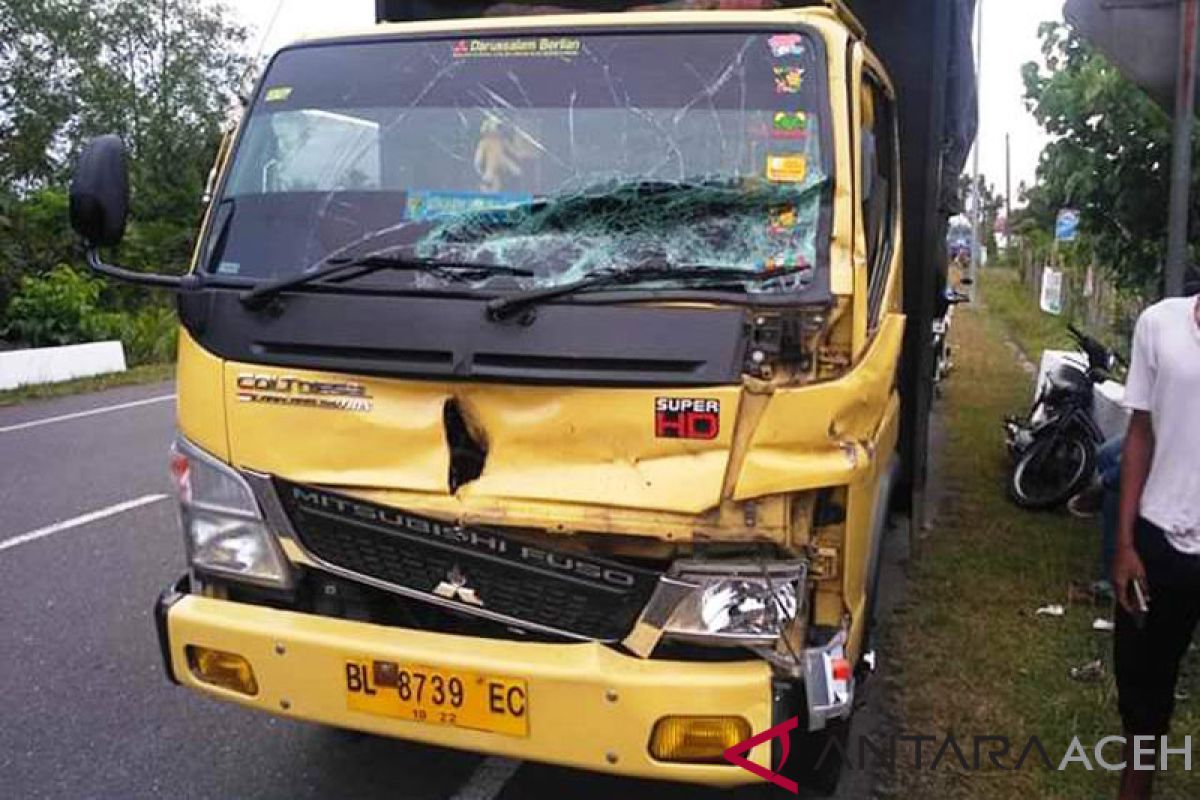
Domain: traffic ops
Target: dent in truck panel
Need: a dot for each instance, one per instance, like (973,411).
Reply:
(553,444)
(604,447)
(819,435)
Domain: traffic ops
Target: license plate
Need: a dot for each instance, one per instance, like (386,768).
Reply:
(437,696)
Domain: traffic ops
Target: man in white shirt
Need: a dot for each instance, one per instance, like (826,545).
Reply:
(1158,539)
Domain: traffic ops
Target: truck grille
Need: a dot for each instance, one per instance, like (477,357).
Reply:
(480,571)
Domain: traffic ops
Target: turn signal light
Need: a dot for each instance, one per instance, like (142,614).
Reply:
(696,740)
(226,670)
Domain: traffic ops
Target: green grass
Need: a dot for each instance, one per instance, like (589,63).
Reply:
(973,658)
(1014,306)
(150,373)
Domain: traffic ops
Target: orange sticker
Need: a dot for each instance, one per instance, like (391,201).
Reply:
(783,219)
(787,169)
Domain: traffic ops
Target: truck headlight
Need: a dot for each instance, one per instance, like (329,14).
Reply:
(737,604)
(223,527)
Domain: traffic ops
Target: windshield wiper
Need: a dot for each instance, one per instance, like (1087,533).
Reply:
(505,308)
(375,262)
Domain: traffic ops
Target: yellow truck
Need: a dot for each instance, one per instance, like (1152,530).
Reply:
(540,385)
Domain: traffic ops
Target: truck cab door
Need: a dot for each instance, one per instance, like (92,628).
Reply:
(877,208)
(877,302)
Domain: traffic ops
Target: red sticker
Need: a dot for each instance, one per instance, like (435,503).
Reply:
(682,418)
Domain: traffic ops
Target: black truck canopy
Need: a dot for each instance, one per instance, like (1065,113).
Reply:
(926,47)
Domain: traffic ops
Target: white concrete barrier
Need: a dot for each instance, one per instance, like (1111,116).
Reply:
(1108,409)
(55,364)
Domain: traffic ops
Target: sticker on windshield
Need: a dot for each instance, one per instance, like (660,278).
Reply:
(783,219)
(787,169)
(789,125)
(683,418)
(785,261)
(434,205)
(229,268)
(786,44)
(544,47)
(277,94)
(789,80)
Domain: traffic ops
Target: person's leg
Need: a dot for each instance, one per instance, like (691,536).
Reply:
(1109,516)
(1147,659)
(1108,462)
(1088,501)
(1108,468)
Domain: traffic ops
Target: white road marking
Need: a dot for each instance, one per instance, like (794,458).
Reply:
(89,413)
(83,519)
(488,779)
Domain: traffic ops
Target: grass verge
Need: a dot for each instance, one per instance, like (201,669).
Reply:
(1017,311)
(150,373)
(974,660)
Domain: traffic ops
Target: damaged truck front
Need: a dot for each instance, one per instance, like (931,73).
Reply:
(538,386)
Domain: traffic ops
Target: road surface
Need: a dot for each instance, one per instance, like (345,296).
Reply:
(88,538)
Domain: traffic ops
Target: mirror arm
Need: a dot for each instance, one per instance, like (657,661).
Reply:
(177,282)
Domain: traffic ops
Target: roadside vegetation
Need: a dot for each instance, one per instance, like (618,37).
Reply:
(1105,160)
(64,306)
(974,658)
(1013,308)
(162,75)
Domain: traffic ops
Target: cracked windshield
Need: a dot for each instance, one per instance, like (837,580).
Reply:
(562,156)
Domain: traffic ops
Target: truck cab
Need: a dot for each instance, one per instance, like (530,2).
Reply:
(538,386)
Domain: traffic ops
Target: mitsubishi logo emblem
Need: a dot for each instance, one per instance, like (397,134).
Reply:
(455,588)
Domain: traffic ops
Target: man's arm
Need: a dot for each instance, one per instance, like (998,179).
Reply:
(1136,456)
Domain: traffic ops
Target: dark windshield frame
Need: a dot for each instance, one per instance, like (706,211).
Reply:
(819,292)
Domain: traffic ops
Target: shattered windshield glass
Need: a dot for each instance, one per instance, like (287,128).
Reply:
(561,155)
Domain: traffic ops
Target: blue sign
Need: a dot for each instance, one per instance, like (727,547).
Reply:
(1067,227)
(433,205)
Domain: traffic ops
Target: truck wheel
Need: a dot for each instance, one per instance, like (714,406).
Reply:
(815,764)
(818,757)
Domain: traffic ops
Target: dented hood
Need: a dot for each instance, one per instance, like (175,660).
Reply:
(484,445)
(632,448)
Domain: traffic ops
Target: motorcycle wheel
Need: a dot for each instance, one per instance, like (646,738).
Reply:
(1051,471)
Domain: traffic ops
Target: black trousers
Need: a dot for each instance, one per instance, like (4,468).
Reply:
(1147,660)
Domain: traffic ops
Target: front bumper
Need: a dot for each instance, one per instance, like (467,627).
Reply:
(589,706)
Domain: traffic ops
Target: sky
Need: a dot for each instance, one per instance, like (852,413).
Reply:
(1009,40)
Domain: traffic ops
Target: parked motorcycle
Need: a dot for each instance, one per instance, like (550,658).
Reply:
(1054,447)
(942,352)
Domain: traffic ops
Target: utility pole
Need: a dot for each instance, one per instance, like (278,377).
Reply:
(1008,183)
(977,210)
(1181,156)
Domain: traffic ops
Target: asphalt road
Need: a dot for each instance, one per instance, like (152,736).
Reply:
(88,538)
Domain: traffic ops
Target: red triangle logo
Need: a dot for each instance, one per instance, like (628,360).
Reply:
(781,731)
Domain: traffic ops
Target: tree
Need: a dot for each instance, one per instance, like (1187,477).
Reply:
(41,58)
(1109,158)
(160,73)
(165,77)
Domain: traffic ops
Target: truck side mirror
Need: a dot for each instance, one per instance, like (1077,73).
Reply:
(100,192)
(100,210)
